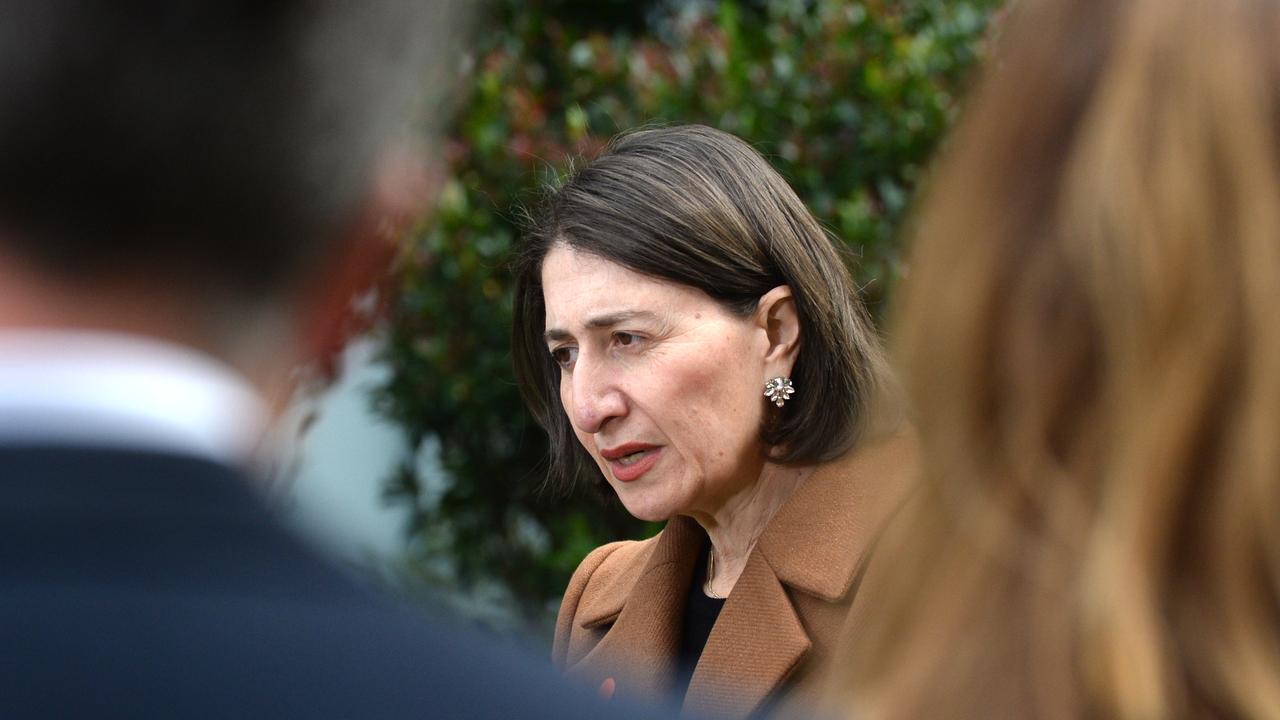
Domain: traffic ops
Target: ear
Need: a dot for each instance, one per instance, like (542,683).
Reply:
(776,315)
(330,310)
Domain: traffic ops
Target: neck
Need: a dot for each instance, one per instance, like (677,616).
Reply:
(130,305)
(737,524)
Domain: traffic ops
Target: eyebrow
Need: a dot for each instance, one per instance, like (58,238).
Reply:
(601,321)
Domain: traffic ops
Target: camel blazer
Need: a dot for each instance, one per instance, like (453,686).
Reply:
(622,614)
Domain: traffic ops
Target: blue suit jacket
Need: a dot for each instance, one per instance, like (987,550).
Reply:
(146,585)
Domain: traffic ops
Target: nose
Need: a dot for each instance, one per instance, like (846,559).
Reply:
(593,397)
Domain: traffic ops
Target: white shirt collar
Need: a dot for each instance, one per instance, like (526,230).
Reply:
(119,390)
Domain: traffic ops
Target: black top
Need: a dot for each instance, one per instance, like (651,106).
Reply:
(700,613)
(145,585)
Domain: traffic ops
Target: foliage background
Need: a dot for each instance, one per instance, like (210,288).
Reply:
(847,99)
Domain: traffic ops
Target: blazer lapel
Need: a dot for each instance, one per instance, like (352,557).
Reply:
(757,641)
(639,651)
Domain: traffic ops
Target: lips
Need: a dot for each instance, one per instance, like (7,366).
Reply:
(629,461)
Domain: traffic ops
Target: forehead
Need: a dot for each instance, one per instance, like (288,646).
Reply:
(576,285)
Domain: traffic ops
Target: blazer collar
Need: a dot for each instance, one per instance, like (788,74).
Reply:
(820,539)
(757,641)
(672,550)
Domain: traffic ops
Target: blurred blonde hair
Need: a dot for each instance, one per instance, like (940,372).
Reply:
(1090,335)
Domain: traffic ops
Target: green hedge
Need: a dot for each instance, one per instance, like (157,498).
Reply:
(847,99)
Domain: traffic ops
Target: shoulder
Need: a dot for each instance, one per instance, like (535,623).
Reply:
(598,588)
(610,565)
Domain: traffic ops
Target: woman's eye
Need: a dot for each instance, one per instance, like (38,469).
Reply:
(625,339)
(565,356)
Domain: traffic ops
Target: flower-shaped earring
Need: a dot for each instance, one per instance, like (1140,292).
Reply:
(779,390)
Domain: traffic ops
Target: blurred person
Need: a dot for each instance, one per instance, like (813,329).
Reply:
(189,196)
(1088,336)
(688,334)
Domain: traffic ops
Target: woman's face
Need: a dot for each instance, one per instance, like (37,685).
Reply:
(663,385)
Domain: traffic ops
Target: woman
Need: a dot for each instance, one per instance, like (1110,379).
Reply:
(1089,336)
(685,330)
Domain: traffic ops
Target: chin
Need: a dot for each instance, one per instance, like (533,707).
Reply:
(643,506)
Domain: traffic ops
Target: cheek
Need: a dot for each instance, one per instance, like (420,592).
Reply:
(713,399)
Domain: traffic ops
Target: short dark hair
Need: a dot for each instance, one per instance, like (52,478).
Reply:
(700,207)
(221,140)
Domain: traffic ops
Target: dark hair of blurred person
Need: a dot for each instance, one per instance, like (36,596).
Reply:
(190,193)
(669,291)
(1088,336)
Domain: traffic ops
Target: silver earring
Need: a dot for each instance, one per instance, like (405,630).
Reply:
(779,390)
